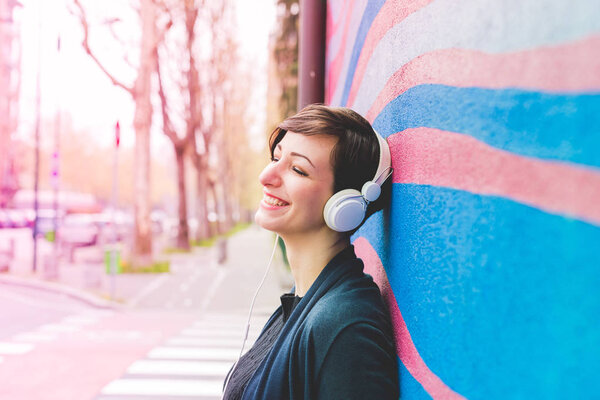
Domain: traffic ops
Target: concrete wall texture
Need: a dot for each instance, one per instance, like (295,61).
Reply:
(488,257)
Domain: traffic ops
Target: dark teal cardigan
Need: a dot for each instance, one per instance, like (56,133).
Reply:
(336,344)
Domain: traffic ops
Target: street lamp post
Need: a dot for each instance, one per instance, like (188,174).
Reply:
(115,194)
(55,175)
(38,105)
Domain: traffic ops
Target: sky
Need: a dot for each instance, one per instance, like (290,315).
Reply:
(71,81)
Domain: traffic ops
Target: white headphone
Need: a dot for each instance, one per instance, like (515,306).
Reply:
(346,209)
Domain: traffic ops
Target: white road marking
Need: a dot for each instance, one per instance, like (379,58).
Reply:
(100,313)
(34,337)
(187,368)
(59,328)
(151,287)
(220,324)
(212,333)
(207,342)
(15,348)
(164,387)
(193,353)
(80,320)
(212,290)
(1,360)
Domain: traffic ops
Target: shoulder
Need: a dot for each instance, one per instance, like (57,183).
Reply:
(354,301)
(349,328)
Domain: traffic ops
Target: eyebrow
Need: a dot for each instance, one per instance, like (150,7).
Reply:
(293,153)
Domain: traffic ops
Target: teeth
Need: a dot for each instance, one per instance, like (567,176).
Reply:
(273,201)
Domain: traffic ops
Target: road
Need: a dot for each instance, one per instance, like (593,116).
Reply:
(176,339)
(54,347)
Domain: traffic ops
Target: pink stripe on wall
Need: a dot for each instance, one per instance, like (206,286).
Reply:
(428,156)
(392,12)
(332,26)
(569,67)
(407,352)
(335,67)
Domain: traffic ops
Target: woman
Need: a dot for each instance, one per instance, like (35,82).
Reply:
(331,338)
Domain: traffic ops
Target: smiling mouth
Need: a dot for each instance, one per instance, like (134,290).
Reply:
(272,201)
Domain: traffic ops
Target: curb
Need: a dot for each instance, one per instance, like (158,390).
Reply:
(54,287)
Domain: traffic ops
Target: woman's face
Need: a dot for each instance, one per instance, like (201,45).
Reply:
(297,184)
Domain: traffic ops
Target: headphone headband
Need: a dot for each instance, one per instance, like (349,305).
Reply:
(346,209)
(385,160)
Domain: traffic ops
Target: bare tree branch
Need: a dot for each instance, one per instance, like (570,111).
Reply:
(167,125)
(86,46)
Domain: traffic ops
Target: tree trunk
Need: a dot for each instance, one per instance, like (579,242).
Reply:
(204,231)
(142,242)
(183,236)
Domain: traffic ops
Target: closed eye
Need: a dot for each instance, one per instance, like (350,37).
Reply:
(299,172)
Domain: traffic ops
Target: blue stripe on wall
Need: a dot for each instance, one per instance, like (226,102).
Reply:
(373,7)
(495,294)
(553,126)
(409,387)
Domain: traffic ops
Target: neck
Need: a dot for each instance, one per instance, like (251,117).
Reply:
(309,254)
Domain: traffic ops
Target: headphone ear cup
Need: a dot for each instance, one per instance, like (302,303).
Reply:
(345,210)
(371,191)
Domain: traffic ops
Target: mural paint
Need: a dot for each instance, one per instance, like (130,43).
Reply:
(488,255)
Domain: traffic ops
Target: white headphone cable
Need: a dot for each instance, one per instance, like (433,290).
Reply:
(250,315)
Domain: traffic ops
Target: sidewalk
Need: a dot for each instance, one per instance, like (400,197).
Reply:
(233,286)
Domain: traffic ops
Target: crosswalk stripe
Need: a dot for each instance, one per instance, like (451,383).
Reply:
(193,363)
(59,328)
(228,324)
(218,332)
(164,387)
(193,353)
(188,368)
(80,320)
(207,342)
(15,348)
(34,337)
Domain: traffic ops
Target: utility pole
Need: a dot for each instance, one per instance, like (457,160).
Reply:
(115,195)
(55,178)
(38,105)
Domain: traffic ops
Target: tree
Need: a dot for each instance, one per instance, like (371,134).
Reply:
(210,103)
(189,85)
(140,91)
(286,55)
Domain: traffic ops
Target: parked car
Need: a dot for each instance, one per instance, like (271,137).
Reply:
(4,219)
(18,218)
(11,218)
(82,230)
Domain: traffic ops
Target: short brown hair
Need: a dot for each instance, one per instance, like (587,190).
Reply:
(355,156)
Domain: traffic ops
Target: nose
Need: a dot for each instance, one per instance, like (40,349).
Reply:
(270,176)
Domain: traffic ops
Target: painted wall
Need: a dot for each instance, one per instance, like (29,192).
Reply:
(490,251)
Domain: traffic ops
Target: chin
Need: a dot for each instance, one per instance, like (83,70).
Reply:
(263,222)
